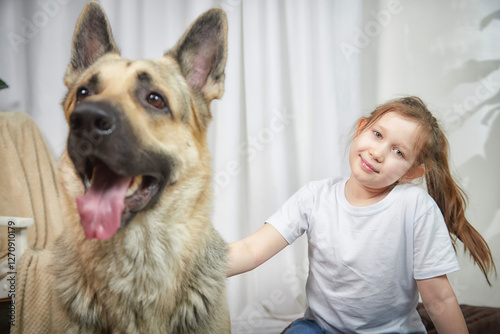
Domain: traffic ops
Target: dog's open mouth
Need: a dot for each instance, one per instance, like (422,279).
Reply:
(111,199)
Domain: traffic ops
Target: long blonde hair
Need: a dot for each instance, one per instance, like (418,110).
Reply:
(432,148)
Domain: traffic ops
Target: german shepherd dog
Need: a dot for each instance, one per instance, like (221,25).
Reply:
(140,254)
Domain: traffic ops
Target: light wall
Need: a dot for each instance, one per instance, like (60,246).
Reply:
(448,53)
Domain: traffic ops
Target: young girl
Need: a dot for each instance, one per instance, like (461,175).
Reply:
(376,241)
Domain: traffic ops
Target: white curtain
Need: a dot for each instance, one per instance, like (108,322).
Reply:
(291,100)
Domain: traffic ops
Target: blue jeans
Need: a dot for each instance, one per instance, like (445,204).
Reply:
(305,327)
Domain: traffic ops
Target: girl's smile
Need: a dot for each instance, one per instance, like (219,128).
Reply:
(369,168)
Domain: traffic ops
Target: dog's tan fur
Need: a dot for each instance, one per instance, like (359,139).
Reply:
(164,271)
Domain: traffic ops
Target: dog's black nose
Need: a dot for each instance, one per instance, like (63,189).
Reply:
(93,118)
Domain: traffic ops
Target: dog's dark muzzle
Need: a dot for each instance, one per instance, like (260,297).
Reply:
(109,159)
(97,131)
(92,128)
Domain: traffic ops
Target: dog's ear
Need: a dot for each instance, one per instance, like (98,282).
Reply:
(202,52)
(91,40)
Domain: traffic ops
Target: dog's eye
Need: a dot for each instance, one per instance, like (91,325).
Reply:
(156,100)
(82,93)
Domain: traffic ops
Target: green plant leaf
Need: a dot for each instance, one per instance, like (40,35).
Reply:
(3,84)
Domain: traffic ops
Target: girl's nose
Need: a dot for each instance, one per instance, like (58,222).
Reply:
(377,153)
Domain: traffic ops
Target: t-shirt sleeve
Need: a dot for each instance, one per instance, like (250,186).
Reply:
(292,219)
(433,252)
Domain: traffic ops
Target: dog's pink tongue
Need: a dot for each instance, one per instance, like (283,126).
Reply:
(101,207)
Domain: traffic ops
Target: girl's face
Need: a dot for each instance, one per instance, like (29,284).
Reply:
(384,152)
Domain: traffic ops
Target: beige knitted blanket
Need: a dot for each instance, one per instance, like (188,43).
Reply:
(29,188)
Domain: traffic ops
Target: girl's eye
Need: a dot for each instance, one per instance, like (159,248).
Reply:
(399,153)
(156,100)
(377,134)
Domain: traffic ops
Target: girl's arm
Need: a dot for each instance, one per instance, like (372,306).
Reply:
(257,248)
(442,305)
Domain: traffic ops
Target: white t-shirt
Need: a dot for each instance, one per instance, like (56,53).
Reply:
(363,261)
